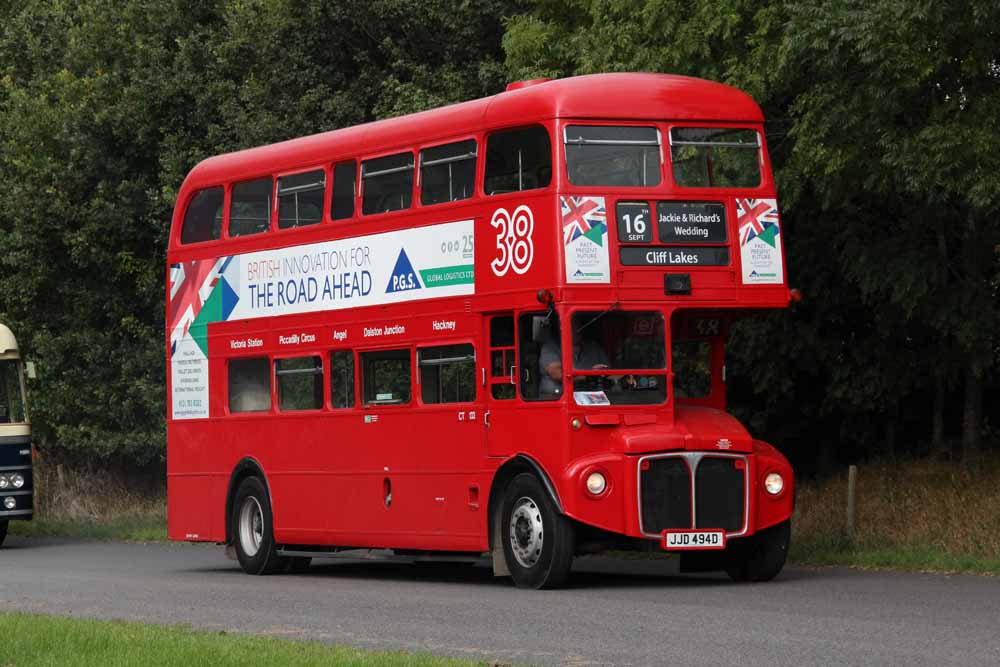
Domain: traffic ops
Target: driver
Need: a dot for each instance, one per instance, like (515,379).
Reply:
(588,355)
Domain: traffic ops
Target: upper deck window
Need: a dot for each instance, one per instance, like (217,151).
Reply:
(715,157)
(518,160)
(342,202)
(388,183)
(250,208)
(447,173)
(613,155)
(300,199)
(203,218)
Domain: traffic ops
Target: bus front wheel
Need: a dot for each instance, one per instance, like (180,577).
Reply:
(3,530)
(760,557)
(253,530)
(537,539)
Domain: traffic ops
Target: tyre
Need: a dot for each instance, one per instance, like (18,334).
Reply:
(253,530)
(761,557)
(537,539)
(3,530)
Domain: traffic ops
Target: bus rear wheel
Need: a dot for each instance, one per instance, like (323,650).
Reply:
(3,530)
(760,557)
(537,539)
(253,530)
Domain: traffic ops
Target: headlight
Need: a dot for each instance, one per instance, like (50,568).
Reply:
(17,480)
(774,483)
(596,483)
(9,503)
(4,482)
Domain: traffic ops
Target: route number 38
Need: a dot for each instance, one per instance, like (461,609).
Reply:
(515,249)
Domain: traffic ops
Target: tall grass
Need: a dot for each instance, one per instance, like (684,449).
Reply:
(916,515)
(93,502)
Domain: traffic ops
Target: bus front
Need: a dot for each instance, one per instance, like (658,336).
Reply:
(15,437)
(670,233)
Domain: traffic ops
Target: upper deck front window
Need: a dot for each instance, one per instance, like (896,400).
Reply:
(613,155)
(715,157)
(11,393)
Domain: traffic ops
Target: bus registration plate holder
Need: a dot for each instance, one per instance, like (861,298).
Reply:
(693,540)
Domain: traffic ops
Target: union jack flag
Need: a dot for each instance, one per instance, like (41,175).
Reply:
(755,217)
(190,283)
(580,215)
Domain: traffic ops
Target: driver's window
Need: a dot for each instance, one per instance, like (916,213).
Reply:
(540,353)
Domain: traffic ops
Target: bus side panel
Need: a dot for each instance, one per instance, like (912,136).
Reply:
(196,489)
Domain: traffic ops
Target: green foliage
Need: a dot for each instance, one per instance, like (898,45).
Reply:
(105,107)
(882,127)
(885,137)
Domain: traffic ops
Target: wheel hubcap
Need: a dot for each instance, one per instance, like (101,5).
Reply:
(251,526)
(526,532)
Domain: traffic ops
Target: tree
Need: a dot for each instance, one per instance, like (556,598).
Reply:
(104,108)
(883,131)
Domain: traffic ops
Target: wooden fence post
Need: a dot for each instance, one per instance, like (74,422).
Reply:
(852,484)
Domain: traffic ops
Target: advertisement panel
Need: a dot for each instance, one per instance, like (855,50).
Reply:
(405,265)
(760,241)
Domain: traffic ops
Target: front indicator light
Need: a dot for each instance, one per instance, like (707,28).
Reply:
(17,480)
(9,503)
(596,483)
(774,483)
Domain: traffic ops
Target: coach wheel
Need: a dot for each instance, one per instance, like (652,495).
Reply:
(253,528)
(3,531)
(760,557)
(537,540)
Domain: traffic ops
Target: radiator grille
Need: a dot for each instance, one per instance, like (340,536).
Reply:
(666,495)
(719,494)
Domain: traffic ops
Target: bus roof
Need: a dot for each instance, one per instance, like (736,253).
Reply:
(8,344)
(596,96)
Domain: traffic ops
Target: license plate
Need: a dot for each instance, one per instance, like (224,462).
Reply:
(681,540)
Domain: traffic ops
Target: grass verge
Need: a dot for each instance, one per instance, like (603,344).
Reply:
(914,516)
(30,639)
(144,528)
(95,504)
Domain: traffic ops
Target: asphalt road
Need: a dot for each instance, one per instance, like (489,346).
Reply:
(615,612)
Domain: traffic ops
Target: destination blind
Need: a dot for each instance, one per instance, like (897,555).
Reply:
(673,256)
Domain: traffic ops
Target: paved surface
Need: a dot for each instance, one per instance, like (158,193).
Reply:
(615,612)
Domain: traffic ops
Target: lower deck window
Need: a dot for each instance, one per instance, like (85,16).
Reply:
(342,379)
(249,385)
(386,377)
(300,383)
(447,374)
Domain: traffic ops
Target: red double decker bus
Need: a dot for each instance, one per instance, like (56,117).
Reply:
(496,327)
